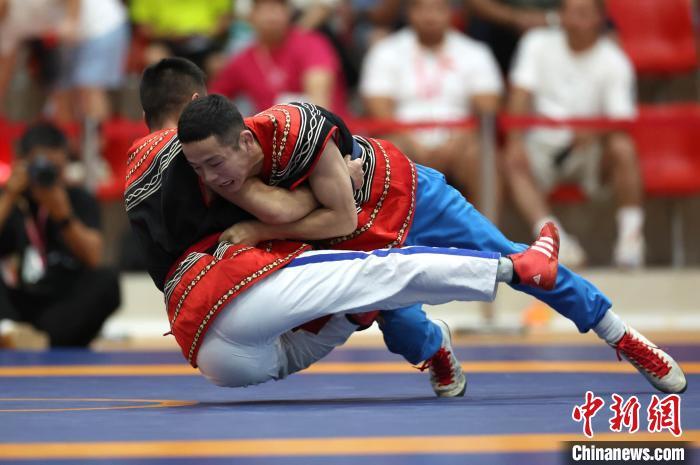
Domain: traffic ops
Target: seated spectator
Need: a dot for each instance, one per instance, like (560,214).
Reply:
(92,60)
(500,23)
(93,38)
(193,30)
(430,72)
(575,72)
(51,246)
(283,64)
(22,21)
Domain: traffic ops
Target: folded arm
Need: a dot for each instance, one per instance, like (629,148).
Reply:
(336,216)
(273,205)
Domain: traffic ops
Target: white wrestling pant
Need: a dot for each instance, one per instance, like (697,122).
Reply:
(251,341)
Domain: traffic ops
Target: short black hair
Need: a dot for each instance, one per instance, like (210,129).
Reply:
(42,134)
(213,115)
(167,87)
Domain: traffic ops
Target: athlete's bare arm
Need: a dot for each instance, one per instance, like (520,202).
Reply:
(336,215)
(276,205)
(273,205)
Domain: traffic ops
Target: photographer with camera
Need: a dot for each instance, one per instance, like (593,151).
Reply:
(51,246)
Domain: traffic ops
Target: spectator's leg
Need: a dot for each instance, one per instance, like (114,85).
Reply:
(621,164)
(100,66)
(465,171)
(532,171)
(7,69)
(62,105)
(76,318)
(621,160)
(529,198)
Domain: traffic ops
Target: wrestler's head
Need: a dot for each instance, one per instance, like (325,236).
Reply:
(222,151)
(166,88)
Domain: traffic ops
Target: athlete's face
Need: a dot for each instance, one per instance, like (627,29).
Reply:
(224,167)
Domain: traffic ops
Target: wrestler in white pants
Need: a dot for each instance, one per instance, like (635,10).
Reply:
(251,341)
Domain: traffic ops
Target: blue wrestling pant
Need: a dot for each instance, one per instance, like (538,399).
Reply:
(443,218)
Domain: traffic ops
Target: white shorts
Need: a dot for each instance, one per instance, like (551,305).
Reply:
(581,166)
(251,341)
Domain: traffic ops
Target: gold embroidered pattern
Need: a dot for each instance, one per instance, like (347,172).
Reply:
(196,280)
(148,152)
(133,154)
(233,290)
(277,158)
(273,120)
(407,220)
(377,208)
(278,151)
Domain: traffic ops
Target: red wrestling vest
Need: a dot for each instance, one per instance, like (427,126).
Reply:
(292,138)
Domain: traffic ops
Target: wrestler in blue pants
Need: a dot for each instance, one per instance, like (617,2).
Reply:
(443,218)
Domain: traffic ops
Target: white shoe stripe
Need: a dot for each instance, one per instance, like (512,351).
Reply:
(546,239)
(540,249)
(545,245)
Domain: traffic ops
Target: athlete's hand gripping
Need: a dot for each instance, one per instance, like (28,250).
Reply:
(243,233)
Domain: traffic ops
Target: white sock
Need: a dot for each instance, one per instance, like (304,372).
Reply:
(630,221)
(504,274)
(610,328)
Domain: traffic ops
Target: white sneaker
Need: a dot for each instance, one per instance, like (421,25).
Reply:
(629,251)
(446,375)
(657,366)
(571,254)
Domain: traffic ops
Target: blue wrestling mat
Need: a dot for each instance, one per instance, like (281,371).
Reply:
(78,407)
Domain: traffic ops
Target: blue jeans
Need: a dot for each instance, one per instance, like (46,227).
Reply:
(443,218)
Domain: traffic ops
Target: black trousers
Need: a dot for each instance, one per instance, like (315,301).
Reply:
(72,313)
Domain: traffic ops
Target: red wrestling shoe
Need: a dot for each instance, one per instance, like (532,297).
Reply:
(537,266)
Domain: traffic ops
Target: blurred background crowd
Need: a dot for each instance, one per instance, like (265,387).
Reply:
(456,80)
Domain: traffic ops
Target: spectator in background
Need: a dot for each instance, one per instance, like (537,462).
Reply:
(21,21)
(195,30)
(93,38)
(18,25)
(430,72)
(500,23)
(283,64)
(575,72)
(330,18)
(51,246)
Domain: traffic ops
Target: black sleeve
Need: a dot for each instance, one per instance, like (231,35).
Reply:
(85,207)
(12,238)
(343,136)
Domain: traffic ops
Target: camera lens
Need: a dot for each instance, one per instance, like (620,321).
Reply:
(42,172)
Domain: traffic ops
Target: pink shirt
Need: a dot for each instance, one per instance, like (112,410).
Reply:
(268,78)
